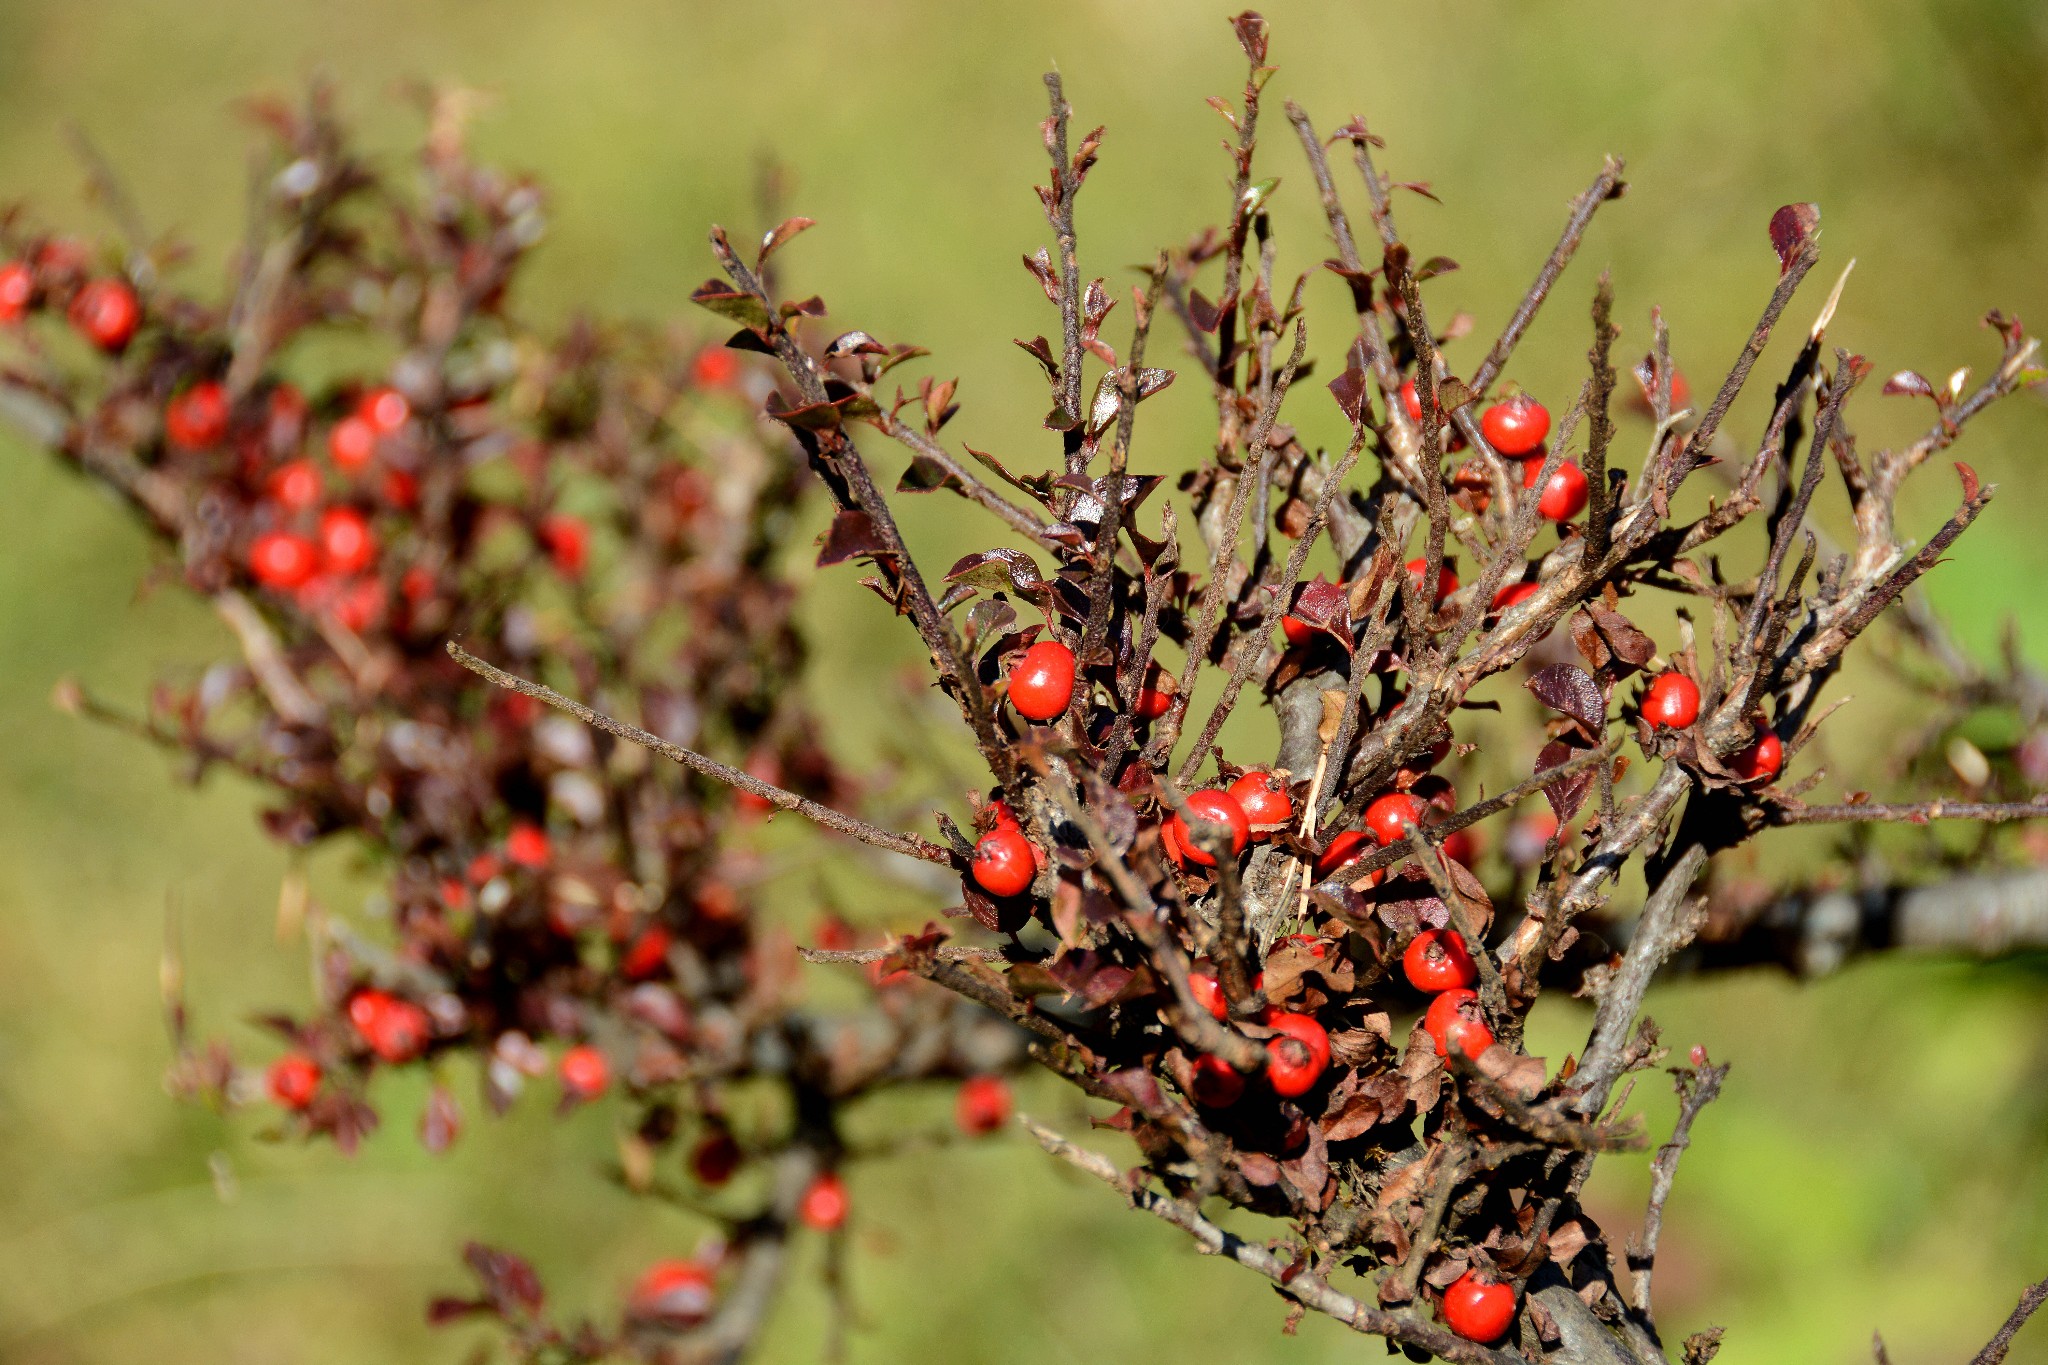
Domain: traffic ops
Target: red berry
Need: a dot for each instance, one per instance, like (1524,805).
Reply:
(825,1203)
(1215,1084)
(357,605)
(1479,1310)
(282,560)
(396,1030)
(1263,800)
(1001,816)
(1208,993)
(1345,849)
(385,409)
(197,419)
(1461,846)
(1437,961)
(106,313)
(672,1294)
(401,489)
(567,540)
(293,1080)
(1003,863)
(715,1157)
(648,957)
(295,486)
(1673,701)
(1446,579)
(1453,1020)
(1391,816)
(714,368)
(1515,426)
(585,1072)
(1297,1057)
(527,845)
(1215,807)
(1564,494)
(1411,401)
(352,443)
(1760,759)
(1042,681)
(1514,594)
(982,1106)
(347,545)
(1152,703)
(17,291)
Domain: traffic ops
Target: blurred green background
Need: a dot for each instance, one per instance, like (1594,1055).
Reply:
(1879,1160)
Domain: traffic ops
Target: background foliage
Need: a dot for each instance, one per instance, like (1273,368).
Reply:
(1881,1156)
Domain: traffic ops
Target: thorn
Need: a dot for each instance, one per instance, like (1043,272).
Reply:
(1827,312)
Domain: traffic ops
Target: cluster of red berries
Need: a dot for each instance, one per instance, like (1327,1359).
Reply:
(104,310)
(1516,428)
(1672,702)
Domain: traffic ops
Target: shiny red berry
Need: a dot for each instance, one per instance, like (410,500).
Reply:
(1298,1055)
(1042,681)
(673,1294)
(1208,993)
(400,489)
(197,419)
(1564,493)
(528,845)
(982,1106)
(385,409)
(1345,849)
(1264,800)
(295,486)
(347,544)
(17,291)
(1213,807)
(1477,1309)
(1453,1020)
(715,1157)
(396,1030)
(1514,594)
(1760,759)
(357,605)
(106,313)
(1003,865)
(1001,816)
(1446,579)
(1437,961)
(293,1080)
(567,540)
(1215,1084)
(1461,846)
(825,1203)
(1673,701)
(584,1071)
(352,444)
(1515,426)
(648,957)
(1152,703)
(714,368)
(282,560)
(1391,816)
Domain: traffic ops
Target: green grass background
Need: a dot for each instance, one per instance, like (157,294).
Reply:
(1878,1161)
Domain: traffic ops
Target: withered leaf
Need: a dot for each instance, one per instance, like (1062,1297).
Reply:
(1567,688)
(1792,227)
(851,536)
(729,302)
(779,236)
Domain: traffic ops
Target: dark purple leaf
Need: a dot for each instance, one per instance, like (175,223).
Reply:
(998,570)
(851,536)
(508,1281)
(1568,688)
(1349,390)
(1792,227)
(1566,794)
(855,342)
(924,475)
(1434,266)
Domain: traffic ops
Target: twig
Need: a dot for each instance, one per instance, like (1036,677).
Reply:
(1698,1087)
(1607,185)
(1663,930)
(1995,1349)
(910,845)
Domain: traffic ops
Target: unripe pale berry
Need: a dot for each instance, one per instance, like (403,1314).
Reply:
(1042,681)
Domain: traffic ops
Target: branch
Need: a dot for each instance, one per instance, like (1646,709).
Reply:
(1663,930)
(910,845)
(1994,1350)
(1607,185)
(1698,1087)
(1292,1279)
